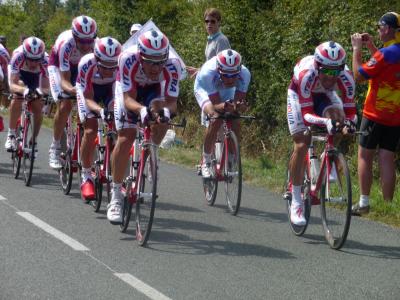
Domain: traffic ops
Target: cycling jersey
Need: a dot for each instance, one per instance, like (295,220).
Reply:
(382,104)
(4,61)
(209,83)
(131,77)
(89,79)
(307,99)
(64,57)
(30,77)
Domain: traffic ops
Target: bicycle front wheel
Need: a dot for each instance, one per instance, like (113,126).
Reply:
(233,174)
(16,155)
(210,185)
(98,185)
(146,201)
(66,172)
(127,205)
(336,200)
(29,149)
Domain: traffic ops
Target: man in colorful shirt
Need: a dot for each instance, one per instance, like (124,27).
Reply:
(381,114)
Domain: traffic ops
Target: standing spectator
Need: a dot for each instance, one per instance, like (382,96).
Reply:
(381,108)
(216,40)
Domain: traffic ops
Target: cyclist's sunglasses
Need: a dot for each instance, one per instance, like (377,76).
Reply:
(210,21)
(85,41)
(330,72)
(108,67)
(154,62)
(34,59)
(228,75)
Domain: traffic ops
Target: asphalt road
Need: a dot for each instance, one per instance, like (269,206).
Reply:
(54,246)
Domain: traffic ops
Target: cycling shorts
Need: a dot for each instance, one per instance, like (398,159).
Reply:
(382,136)
(294,115)
(103,94)
(145,95)
(55,80)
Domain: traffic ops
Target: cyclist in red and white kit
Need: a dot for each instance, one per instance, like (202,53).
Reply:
(95,84)
(68,49)
(27,75)
(321,92)
(147,80)
(4,60)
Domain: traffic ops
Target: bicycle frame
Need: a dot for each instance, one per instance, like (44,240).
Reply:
(143,139)
(329,146)
(104,148)
(219,166)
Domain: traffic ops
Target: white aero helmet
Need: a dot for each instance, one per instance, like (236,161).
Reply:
(153,42)
(84,27)
(33,48)
(229,61)
(330,54)
(107,49)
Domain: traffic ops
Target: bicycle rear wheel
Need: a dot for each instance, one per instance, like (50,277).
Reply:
(336,199)
(210,185)
(127,205)
(287,196)
(66,172)
(98,186)
(146,202)
(29,148)
(233,174)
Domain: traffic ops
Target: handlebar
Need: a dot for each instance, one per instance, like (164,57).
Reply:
(230,116)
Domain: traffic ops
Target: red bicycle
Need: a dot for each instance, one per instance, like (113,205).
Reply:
(25,140)
(102,168)
(141,184)
(327,185)
(226,166)
(70,156)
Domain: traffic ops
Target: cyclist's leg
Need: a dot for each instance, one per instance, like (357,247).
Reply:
(15,112)
(37,106)
(296,165)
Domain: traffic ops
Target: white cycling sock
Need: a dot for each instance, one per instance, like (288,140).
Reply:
(86,173)
(364,200)
(11,132)
(296,194)
(56,144)
(206,157)
(116,186)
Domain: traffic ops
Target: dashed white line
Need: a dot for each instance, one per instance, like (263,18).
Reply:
(141,286)
(74,244)
(128,278)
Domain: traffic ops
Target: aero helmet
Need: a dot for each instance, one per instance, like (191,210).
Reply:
(84,27)
(229,61)
(330,54)
(154,43)
(107,49)
(33,48)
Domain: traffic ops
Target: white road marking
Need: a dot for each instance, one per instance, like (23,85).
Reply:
(141,286)
(74,244)
(128,278)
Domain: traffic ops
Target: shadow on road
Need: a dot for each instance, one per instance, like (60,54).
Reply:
(179,243)
(377,251)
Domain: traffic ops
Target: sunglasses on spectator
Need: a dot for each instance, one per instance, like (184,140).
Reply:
(85,41)
(210,21)
(330,72)
(154,62)
(228,75)
(109,67)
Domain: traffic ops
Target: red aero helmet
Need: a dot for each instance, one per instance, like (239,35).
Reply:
(84,27)
(330,54)
(229,61)
(33,48)
(107,49)
(154,43)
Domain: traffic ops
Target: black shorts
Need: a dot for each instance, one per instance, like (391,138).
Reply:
(386,137)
